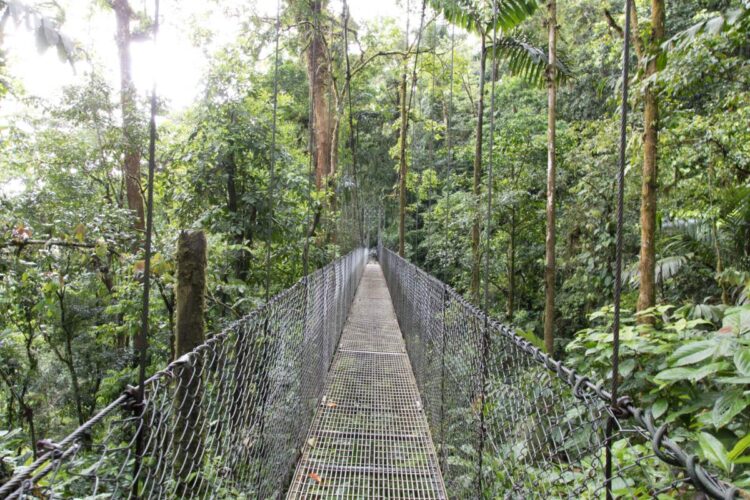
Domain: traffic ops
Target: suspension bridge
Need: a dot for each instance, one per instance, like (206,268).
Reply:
(369,378)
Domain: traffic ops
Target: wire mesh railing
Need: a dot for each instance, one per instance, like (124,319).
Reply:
(226,420)
(510,422)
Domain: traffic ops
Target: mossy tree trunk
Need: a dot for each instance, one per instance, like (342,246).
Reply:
(189,333)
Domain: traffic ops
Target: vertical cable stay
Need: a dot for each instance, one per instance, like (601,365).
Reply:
(449,143)
(486,340)
(618,252)
(143,335)
(272,164)
(352,139)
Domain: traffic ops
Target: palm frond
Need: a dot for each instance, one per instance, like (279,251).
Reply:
(476,15)
(695,228)
(527,61)
(667,267)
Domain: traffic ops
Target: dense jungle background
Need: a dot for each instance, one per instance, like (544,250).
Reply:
(397,145)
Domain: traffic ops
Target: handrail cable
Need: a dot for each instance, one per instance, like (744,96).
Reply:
(272,163)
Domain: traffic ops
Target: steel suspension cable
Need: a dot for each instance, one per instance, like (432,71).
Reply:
(449,143)
(615,409)
(272,164)
(143,334)
(352,141)
(486,340)
(443,451)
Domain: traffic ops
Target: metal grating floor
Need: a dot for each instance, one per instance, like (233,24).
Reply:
(369,437)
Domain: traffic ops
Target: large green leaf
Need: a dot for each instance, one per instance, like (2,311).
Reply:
(726,407)
(659,407)
(739,448)
(736,320)
(693,352)
(742,361)
(714,451)
(691,374)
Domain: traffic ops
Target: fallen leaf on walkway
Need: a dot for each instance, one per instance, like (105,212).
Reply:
(331,404)
(315,477)
(311,442)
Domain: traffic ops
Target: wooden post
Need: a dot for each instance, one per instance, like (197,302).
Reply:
(190,306)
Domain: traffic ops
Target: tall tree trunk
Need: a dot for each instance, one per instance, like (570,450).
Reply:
(647,263)
(549,265)
(132,157)
(319,78)
(402,169)
(475,257)
(190,297)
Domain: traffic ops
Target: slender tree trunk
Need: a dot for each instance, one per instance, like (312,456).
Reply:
(69,359)
(477,181)
(190,305)
(132,157)
(715,236)
(549,264)
(647,263)
(402,170)
(510,309)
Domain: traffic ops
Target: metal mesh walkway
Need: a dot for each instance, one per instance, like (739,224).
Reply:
(369,437)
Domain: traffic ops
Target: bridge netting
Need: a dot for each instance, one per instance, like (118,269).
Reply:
(225,421)
(229,419)
(511,422)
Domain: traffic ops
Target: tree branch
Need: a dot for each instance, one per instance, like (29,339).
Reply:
(636,39)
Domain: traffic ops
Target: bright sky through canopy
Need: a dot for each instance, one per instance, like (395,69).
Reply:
(180,64)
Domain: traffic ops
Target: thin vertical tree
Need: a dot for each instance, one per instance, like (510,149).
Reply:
(549,262)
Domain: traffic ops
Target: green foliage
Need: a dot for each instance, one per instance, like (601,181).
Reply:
(71,264)
(690,372)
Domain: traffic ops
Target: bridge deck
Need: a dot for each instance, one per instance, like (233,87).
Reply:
(369,437)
